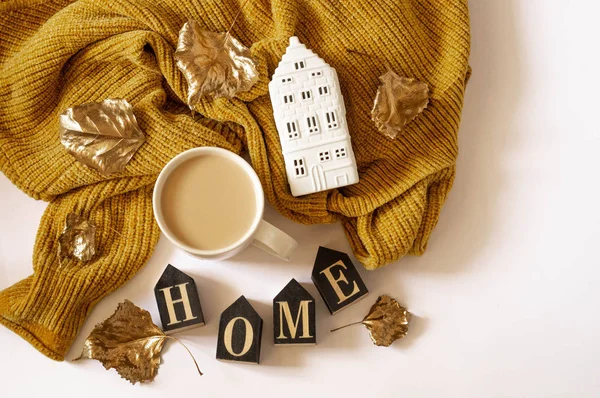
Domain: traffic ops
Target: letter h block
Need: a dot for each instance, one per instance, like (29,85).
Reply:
(337,280)
(178,301)
(294,316)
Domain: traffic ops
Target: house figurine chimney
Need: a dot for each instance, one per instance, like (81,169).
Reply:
(294,41)
(310,117)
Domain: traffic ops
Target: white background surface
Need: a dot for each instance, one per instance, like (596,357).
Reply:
(506,297)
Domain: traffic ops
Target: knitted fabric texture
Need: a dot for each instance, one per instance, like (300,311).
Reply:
(57,54)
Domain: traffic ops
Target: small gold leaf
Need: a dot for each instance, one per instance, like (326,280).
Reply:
(213,63)
(398,101)
(387,321)
(77,238)
(129,342)
(103,136)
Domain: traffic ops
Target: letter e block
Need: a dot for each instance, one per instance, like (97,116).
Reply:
(294,316)
(240,332)
(337,280)
(178,301)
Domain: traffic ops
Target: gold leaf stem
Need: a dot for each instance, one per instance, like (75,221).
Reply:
(115,231)
(235,19)
(189,352)
(160,336)
(345,326)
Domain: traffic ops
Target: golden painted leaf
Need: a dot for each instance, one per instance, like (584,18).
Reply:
(213,63)
(102,135)
(77,238)
(129,342)
(398,101)
(387,321)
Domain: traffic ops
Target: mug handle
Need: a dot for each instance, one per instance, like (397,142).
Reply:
(274,241)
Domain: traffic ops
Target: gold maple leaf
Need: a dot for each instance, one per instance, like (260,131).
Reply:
(213,63)
(398,101)
(102,135)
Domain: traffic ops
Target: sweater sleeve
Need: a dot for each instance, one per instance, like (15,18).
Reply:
(49,307)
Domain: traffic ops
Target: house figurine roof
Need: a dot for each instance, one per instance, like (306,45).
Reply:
(294,52)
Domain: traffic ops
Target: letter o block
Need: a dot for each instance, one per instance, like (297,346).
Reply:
(240,331)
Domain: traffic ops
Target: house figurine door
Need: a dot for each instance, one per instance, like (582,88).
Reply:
(342,180)
(318,178)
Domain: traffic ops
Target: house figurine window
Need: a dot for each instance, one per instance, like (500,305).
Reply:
(324,156)
(288,99)
(299,65)
(311,124)
(331,120)
(292,130)
(324,90)
(286,80)
(316,74)
(340,153)
(306,95)
(299,167)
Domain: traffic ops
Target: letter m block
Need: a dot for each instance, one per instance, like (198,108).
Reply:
(294,316)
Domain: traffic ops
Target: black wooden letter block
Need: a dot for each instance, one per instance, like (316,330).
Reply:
(240,331)
(178,301)
(337,280)
(294,316)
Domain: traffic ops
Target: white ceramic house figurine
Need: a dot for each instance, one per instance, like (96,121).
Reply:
(311,121)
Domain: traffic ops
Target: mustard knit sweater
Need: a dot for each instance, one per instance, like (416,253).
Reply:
(55,54)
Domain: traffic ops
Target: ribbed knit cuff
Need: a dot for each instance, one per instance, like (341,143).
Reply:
(46,340)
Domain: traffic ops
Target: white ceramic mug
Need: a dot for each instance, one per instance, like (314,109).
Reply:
(261,233)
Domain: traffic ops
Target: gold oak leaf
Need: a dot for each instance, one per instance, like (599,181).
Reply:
(129,342)
(102,135)
(398,101)
(387,321)
(77,238)
(213,63)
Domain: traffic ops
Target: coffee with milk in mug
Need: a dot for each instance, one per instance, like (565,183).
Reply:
(208,202)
